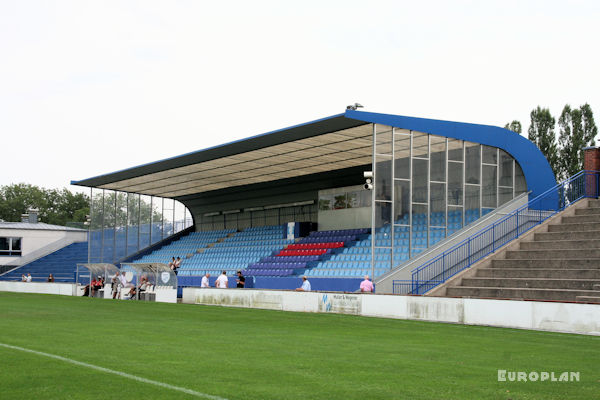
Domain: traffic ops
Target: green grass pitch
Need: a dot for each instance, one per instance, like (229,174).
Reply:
(257,354)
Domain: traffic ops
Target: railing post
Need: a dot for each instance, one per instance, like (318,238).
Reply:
(469,252)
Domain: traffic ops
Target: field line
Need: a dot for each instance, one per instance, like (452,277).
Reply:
(119,373)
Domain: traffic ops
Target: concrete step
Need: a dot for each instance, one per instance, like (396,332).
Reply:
(588,211)
(539,273)
(580,219)
(575,227)
(544,283)
(594,203)
(576,263)
(588,299)
(556,254)
(543,236)
(561,244)
(519,293)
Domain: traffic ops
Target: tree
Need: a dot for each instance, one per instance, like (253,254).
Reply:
(55,206)
(541,132)
(577,130)
(514,126)
(120,209)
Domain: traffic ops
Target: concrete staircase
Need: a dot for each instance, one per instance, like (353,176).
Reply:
(558,261)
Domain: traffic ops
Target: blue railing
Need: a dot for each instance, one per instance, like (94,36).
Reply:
(489,239)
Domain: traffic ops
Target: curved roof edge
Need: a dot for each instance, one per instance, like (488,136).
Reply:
(538,174)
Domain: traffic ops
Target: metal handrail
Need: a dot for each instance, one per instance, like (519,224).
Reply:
(490,238)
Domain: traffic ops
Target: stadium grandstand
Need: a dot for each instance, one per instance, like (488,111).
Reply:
(296,202)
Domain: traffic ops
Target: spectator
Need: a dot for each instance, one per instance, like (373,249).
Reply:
(115,284)
(99,284)
(141,289)
(176,265)
(241,281)
(123,282)
(172,263)
(90,286)
(305,285)
(222,281)
(50,278)
(28,277)
(366,286)
(23,278)
(205,282)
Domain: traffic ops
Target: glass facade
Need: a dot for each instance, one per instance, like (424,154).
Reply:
(122,224)
(432,186)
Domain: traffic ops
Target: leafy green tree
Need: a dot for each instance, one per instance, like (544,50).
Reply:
(514,126)
(541,132)
(55,206)
(577,130)
(120,209)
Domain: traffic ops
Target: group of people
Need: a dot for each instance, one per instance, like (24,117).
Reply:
(129,291)
(174,264)
(222,281)
(28,278)
(92,288)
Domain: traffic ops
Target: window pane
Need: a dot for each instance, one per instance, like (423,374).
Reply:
(506,169)
(420,145)
(472,162)
(437,158)
(520,183)
(133,228)
(490,155)
(383,213)
(437,204)
(455,183)
(325,202)
(471,203)
(4,243)
(121,226)
(489,186)
(419,235)
(339,201)
(504,195)
(383,138)
(455,149)
(402,156)
(420,180)
(454,219)
(383,178)
(402,197)
(16,244)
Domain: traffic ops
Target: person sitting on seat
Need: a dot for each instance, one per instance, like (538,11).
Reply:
(98,285)
(176,265)
(92,285)
(140,289)
(50,278)
(172,263)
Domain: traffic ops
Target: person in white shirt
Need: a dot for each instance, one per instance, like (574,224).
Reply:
(28,277)
(222,281)
(305,285)
(205,282)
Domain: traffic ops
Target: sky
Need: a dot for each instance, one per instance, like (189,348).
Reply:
(92,87)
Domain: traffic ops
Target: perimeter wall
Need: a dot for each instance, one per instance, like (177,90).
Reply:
(555,317)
